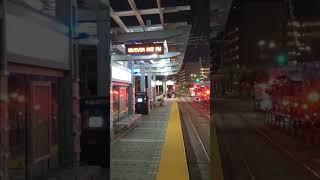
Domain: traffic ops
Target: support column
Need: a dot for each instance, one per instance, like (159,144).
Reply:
(4,124)
(131,90)
(155,89)
(111,112)
(69,125)
(76,116)
(164,85)
(149,86)
(104,57)
(150,92)
(103,50)
(65,124)
(142,79)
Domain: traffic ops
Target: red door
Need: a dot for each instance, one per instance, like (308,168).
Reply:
(40,111)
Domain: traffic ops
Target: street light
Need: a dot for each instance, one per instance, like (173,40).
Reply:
(304,106)
(313,97)
(261,43)
(272,44)
(281,59)
(308,48)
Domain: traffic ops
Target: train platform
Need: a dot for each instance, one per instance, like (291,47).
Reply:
(152,149)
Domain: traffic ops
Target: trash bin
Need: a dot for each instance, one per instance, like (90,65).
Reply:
(142,103)
(95,136)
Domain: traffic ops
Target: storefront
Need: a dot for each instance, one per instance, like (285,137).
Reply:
(36,84)
(121,91)
(33,119)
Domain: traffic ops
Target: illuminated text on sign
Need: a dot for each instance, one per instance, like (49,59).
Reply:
(145,49)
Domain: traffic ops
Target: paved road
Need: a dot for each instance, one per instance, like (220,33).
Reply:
(245,154)
(196,130)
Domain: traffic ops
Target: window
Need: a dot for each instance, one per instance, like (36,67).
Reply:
(120,102)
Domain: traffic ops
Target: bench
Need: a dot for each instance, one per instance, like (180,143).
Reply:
(126,123)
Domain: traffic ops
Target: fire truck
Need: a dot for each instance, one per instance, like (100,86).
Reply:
(201,91)
(294,96)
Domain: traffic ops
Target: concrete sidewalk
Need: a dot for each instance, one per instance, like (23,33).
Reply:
(136,154)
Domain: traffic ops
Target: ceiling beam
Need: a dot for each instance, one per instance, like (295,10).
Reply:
(137,13)
(156,65)
(146,57)
(84,15)
(153,27)
(160,70)
(118,20)
(151,35)
(158,74)
(160,13)
(154,11)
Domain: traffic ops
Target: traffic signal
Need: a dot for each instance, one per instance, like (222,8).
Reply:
(313,97)
(281,59)
(197,80)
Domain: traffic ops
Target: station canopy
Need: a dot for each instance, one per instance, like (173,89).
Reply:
(134,22)
(165,22)
(153,34)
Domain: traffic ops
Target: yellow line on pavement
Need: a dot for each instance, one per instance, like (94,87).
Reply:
(173,162)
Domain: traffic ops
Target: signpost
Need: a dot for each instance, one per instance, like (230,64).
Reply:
(145,49)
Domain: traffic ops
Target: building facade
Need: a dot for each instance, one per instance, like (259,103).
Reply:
(187,75)
(38,87)
(253,33)
(205,73)
(40,120)
(249,42)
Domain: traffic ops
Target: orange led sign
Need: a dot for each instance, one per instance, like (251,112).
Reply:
(145,49)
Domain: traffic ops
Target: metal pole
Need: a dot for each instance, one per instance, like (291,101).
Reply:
(4,124)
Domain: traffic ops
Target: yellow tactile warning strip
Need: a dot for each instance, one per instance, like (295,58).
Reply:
(216,166)
(173,162)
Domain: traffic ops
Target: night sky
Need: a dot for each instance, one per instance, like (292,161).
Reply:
(123,5)
(309,8)
(200,27)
